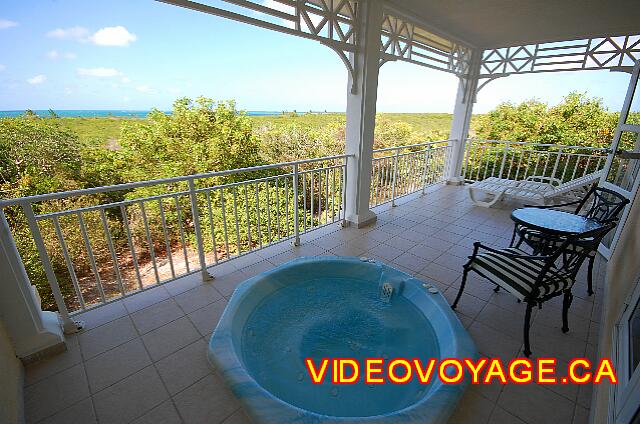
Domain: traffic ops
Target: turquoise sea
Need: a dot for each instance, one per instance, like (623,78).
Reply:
(114,113)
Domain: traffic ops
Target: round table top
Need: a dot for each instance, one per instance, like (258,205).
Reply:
(552,221)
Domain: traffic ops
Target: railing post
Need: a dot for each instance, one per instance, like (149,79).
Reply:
(555,165)
(395,175)
(296,213)
(68,325)
(469,145)
(196,225)
(504,159)
(427,154)
(344,193)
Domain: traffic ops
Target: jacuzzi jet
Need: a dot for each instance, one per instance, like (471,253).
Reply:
(300,376)
(334,392)
(386,292)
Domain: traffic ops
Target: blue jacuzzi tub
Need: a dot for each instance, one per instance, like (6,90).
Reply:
(336,307)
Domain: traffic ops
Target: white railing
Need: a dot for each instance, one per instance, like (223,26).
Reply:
(519,160)
(94,250)
(402,170)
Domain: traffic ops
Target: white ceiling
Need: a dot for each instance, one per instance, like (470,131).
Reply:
(502,23)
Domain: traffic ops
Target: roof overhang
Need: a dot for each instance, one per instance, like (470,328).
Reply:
(489,24)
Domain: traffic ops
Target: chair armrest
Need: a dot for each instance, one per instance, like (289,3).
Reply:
(478,245)
(558,205)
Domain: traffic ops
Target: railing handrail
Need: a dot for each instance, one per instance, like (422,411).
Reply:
(409,146)
(528,143)
(127,186)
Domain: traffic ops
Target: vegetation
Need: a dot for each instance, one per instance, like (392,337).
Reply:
(42,155)
(577,121)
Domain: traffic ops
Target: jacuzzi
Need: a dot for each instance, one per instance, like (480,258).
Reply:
(336,307)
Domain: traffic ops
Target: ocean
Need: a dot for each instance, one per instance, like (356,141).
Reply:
(114,113)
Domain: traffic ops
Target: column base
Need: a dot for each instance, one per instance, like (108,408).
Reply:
(48,342)
(454,181)
(362,220)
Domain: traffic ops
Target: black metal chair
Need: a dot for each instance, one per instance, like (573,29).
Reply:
(534,279)
(605,207)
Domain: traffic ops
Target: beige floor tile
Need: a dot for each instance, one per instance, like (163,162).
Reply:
(145,299)
(492,343)
(165,413)
(56,393)
(257,268)
(114,365)
(500,416)
(581,415)
(170,337)
(524,401)
(184,367)
(440,273)
(549,341)
(156,316)
(47,367)
(105,337)
(425,252)
(226,284)
(468,305)
(238,417)
(207,401)
(347,250)
(102,315)
(385,252)
(472,409)
(198,297)
(183,284)
(452,262)
(507,322)
(205,319)
(130,398)
(80,413)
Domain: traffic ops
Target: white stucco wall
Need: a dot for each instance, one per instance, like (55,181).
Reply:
(11,381)
(623,271)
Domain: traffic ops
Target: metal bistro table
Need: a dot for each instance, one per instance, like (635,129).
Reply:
(553,224)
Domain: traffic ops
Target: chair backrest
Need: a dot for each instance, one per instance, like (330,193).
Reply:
(568,258)
(605,205)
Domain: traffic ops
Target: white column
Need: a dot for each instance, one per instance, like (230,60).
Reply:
(463,109)
(362,93)
(31,329)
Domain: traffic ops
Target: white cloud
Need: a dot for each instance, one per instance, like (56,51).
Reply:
(113,36)
(99,72)
(77,33)
(6,24)
(146,89)
(55,55)
(38,79)
(125,80)
(2,67)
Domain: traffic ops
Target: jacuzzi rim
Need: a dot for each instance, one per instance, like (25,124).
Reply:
(230,373)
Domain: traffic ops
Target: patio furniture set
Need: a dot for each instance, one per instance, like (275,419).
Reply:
(559,242)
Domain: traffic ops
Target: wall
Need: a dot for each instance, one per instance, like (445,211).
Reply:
(623,271)
(11,378)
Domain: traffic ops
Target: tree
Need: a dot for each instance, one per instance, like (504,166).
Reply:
(37,156)
(577,120)
(197,137)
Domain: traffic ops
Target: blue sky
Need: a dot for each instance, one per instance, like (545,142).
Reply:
(99,54)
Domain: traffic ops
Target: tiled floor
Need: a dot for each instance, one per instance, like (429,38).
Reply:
(142,359)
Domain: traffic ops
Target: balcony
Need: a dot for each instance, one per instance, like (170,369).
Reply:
(141,354)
